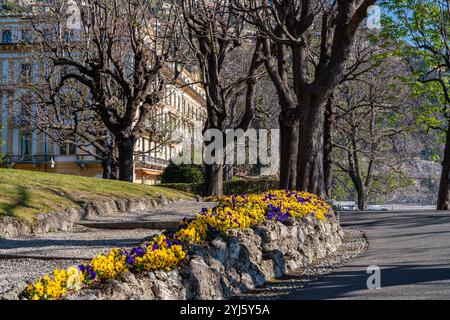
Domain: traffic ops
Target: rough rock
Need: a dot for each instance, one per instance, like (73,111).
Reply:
(14,292)
(87,294)
(12,227)
(115,290)
(239,263)
(164,200)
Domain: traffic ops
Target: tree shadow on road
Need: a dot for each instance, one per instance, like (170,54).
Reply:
(397,220)
(353,284)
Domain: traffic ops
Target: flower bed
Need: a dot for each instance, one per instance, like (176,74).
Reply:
(169,250)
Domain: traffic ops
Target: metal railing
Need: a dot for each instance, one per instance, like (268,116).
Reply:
(146,161)
(27,158)
(141,160)
(86,158)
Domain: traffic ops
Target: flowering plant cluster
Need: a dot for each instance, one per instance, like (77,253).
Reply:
(169,250)
(54,287)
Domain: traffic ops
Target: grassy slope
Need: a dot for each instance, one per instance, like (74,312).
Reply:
(25,193)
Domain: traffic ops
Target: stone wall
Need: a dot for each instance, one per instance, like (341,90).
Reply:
(225,268)
(11,227)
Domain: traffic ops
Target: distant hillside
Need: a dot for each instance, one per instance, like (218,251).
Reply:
(426,175)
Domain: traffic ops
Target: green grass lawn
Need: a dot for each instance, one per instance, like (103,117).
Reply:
(25,193)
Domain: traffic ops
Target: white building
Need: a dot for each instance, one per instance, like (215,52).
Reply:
(24,149)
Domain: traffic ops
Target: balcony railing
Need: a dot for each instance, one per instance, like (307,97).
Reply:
(149,162)
(86,158)
(35,159)
(141,161)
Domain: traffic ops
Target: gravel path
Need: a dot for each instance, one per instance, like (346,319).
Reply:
(14,272)
(80,243)
(27,258)
(59,250)
(171,212)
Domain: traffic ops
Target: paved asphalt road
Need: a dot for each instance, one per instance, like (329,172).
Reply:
(412,250)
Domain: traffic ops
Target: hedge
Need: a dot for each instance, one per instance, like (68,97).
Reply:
(184,173)
(229,187)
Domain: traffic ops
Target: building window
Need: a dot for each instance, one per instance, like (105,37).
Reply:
(26,36)
(67,149)
(25,146)
(62,149)
(7,36)
(72,149)
(25,70)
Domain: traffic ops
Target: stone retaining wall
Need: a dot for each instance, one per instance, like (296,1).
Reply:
(11,227)
(226,268)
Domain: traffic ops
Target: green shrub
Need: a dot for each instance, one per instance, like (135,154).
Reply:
(184,173)
(230,187)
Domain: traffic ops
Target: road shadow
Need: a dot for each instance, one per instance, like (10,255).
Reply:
(399,220)
(6,244)
(351,284)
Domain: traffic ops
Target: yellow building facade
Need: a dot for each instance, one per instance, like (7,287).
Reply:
(29,150)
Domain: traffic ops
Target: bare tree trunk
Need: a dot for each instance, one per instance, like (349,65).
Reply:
(107,169)
(362,198)
(229,172)
(228,169)
(214,179)
(310,175)
(361,191)
(288,153)
(126,160)
(330,116)
(110,168)
(115,172)
(443,195)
